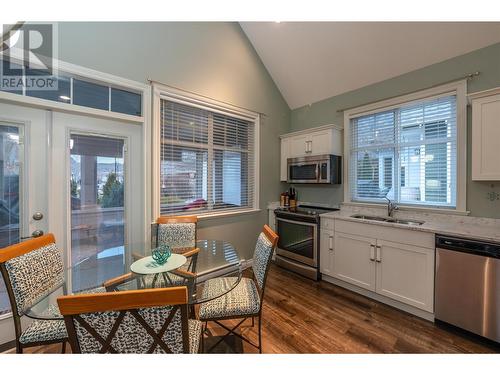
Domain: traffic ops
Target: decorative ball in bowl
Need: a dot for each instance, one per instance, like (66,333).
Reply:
(161,254)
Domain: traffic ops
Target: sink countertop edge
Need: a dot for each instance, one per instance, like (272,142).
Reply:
(479,232)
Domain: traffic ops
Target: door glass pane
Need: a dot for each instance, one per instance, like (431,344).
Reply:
(97,208)
(9,196)
(296,238)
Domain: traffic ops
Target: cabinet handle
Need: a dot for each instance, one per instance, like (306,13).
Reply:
(308,147)
(330,243)
(372,252)
(379,254)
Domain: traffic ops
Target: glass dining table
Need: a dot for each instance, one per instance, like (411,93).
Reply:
(109,270)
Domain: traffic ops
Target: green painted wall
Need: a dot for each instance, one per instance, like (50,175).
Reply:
(485,60)
(213,59)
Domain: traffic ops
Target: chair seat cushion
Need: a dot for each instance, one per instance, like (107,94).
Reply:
(242,300)
(194,335)
(44,330)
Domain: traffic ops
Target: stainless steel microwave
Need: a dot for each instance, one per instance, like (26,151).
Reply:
(319,169)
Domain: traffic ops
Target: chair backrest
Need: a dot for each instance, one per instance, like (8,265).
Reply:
(31,270)
(138,321)
(262,255)
(177,231)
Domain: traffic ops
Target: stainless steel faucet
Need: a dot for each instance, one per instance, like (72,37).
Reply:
(391,207)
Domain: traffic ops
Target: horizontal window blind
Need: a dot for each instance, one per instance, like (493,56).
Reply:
(407,154)
(207,160)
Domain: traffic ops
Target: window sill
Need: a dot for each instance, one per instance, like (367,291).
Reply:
(219,215)
(411,208)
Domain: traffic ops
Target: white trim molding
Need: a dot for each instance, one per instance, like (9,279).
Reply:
(161,91)
(458,88)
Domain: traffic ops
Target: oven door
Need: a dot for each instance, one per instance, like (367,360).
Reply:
(305,172)
(298,241)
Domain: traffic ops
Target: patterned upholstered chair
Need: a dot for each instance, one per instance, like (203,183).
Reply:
(31,270)
(178,232)
(138,321)
(245,300)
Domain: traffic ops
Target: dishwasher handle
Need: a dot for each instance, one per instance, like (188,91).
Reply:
(481,248)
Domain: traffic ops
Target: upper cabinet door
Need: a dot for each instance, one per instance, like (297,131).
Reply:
(285,154)
(321,142)
(486,138)
(300,145)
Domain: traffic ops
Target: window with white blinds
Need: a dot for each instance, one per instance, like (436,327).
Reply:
(407,154)
(207,160)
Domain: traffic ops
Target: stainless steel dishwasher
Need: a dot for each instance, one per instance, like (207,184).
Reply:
(467,288)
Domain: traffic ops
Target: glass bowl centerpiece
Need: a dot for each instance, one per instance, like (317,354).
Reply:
(161,254)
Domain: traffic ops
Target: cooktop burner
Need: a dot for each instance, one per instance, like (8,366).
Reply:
(305,210)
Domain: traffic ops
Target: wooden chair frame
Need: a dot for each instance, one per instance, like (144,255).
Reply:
(14,251)
(273,238)
(127,301)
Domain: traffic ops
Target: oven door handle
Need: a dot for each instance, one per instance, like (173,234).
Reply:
(297,222)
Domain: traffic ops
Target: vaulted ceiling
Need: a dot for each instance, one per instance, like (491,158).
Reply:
(311,61)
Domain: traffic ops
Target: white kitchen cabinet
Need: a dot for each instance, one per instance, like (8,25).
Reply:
(486,136)
(299,145)
(316,141)
(382,263)
(326,247)
(285,152)
(321,142)
(406,274)
(353,260)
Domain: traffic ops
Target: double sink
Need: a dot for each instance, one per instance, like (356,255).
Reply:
(388,219)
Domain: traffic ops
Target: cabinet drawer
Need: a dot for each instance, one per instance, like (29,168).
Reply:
(328,224)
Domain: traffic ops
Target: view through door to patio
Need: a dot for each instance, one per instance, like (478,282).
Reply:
(10,168)
(97,206)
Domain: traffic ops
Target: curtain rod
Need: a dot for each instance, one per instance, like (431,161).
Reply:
(467,77)
(204,96)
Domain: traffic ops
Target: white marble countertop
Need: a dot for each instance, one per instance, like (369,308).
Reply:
(459,226)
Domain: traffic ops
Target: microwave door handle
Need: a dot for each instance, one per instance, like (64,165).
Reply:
(317,172)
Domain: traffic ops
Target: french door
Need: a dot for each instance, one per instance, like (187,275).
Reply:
(76,176)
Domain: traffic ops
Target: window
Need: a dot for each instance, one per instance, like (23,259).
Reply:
(73,90)
(207,160)
(89,94)
(407,154)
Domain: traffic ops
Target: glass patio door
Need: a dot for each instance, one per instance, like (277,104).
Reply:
(23,185)
(104,194)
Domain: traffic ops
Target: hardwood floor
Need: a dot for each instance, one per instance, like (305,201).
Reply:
(303,316)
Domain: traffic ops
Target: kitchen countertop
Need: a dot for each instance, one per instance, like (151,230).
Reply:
(459,226)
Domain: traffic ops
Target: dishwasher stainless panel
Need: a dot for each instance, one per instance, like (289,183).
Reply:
(467,288)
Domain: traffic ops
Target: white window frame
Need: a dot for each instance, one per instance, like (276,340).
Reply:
(458,88)
(163,92)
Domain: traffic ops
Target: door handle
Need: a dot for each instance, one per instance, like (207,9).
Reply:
(372,252)
(330,243)
(34,234)
(379,254)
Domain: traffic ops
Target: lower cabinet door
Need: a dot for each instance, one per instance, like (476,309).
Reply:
(352,260)
(326,252)
(406,274)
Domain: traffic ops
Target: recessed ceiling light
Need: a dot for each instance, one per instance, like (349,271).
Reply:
(64,97)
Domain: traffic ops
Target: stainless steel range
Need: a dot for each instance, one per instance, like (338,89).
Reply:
(298,245)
